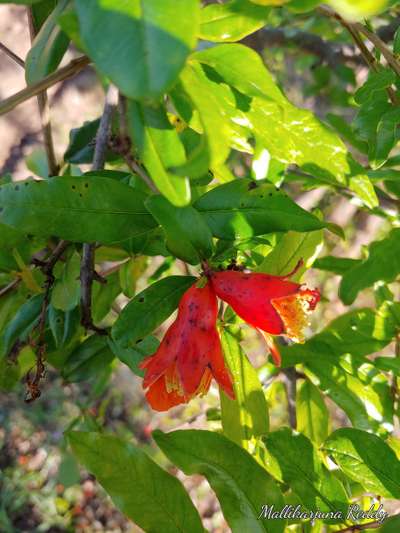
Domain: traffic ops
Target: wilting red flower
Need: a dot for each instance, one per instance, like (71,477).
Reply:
(270,303)
(189,355)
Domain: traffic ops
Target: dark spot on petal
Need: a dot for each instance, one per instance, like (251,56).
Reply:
(73,187)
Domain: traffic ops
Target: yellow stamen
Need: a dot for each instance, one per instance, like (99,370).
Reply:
(294,311)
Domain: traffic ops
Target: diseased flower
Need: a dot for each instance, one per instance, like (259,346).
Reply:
(273,304)
(189,355)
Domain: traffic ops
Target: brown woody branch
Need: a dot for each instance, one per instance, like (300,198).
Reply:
(33,384)
(88,273)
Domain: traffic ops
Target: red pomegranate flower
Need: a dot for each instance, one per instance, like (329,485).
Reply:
(272,304)
(189,355)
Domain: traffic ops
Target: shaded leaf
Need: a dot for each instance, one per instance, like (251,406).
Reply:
(120,466)
(367,459)
(228,469)
(149,309)
(76,209)
(149,41)
(188,236)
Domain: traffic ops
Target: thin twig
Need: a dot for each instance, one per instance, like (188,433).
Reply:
(124,146)
(88,273)
(44,112)
(291,379)
(354,30)
(11,54)
(33,385)
(379,45)
(75,66)
(11,286)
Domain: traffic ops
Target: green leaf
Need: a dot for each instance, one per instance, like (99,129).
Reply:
(337,265)
(391,525)
(144,492)
(104,296)
(132,357)
(246,417)
(48,47)
(364,401)
(88,360)
(66,289)
(76,209)
(149,309)
(358,9)
(21,324)
(160,148)
(242,68)
(312,413)
(367,459)
(244,208)
(239,482)
(359,332)
(376,81)
(140,45)
(302,469)
(81,143)
(231,21)
(188,236)
(211,119)
(382,264)
(292,248)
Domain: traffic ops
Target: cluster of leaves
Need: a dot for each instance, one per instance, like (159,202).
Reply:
(194,106)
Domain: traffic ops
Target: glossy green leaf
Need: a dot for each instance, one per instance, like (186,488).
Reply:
(246,417)
(104,296)
(359,332)
(292,248)
(244,208)
(160,148)
(88,360)
(63,326)
(76,209)
(149,309)
(141,46)
(240,483)
(231,21)
(358,9)
(311,412)
(21,325)
(211,120)
(188,236)
(66,289)
(367,459)
(81,143)
(48,47)
(152,498)
(366,401)
(130,272)
(337,265)
(132,357)
(242,68)
(301,468)
(391,525)
(382,264)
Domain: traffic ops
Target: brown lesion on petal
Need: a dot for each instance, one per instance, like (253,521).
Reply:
(294,310)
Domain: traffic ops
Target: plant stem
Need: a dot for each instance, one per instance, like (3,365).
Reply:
(75,66)
(11,54)
(44,112)
(291,379)
(88,274)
